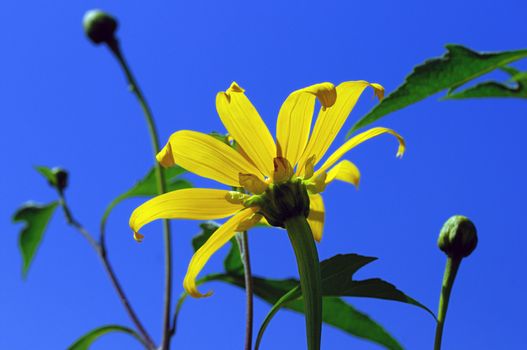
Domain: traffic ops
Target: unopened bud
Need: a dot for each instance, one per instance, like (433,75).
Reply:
(61,178)
(99,26)
(458,237)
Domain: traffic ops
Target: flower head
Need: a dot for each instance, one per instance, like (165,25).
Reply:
(282,179)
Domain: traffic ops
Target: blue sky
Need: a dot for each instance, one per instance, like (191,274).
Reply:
(64,102)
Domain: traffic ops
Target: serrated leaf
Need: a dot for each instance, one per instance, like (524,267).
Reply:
(36,218)
(336,274)
(456,67)
(84,342)
(147,186)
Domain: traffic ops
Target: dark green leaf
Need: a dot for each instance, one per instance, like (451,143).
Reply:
(48,173)
(336,312)
(517,88)
(456,67)
(84,342)
(147,187)
(36,218)
(337,281)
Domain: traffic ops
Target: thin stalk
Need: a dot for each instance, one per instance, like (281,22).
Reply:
(161,187)
(451,268)
(100,249)
(243,243)
(303,244)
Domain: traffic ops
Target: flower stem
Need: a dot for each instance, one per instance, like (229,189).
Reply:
(100,249)
(303,243)
(161,187)
(243,243)
(451,268)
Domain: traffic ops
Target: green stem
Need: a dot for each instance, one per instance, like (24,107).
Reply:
(451,268)
(243,243)
(161,187)
(100,249)
(303,243)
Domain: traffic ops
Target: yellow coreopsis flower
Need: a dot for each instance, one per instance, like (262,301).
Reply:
(260,166)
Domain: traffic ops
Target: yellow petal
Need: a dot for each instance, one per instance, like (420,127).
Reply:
(205,156)
(316,216)
(243,122)
(358,139)
(252,183)
(283,171)
(189,203)
(294,119)
(221,236)
(344,171)
(330,121)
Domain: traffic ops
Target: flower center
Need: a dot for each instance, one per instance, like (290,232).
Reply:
(282,201)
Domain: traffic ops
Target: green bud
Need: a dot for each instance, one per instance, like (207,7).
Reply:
(61,178)
(99,26)
(281,202)
(458,237)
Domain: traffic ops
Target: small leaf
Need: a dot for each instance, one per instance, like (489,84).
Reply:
(84,342)
(147,186)
(456,67)
(36,218)
(57,177)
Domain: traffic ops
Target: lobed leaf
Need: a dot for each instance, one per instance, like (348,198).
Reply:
(456,67)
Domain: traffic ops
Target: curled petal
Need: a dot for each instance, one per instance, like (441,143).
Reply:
(344,171)
(252,183)
(294,119)
(190,203)
(316,216)
(330,120)
(218,239)
(205,156)
(245,125)
(358,139)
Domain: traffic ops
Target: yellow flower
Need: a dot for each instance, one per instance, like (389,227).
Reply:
(257,163)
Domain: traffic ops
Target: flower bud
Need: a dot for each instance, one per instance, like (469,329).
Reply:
(99,26)
(458,237)
(61,178)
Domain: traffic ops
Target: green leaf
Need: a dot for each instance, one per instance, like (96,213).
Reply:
(517,88)
(84,342)
(337,281)
(147,187)
(336,312)
(57,177)
(456,67)
(36,218)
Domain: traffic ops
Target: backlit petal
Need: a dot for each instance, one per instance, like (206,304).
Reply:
(316,216)
(218,239)
(344,171)
(190,203)
(358,139)
(206,156)
(294,119)
(243,122)
(330,121)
